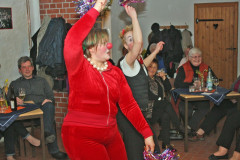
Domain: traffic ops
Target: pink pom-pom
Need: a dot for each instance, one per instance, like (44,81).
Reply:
(167,154)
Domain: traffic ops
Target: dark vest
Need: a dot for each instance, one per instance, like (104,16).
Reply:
(139,87)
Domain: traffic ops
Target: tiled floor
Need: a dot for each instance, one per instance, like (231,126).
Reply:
(197,150)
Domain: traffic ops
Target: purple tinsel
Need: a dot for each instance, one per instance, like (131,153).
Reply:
(167,154)
(124,2)
(83,6)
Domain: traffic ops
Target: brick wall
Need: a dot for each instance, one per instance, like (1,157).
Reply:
(65,9)
(59,8)
(61,102)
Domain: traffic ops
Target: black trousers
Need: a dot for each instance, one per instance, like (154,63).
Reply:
(164,106)
(216,114)
(163,112)
(201,109)
(133,140)
(226,137)
(10,135)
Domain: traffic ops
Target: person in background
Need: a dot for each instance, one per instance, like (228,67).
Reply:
(90,130)
(185,59)
(184,79)
(38,91)
(134,69)
(15,129)
(162,110)
(226,107)
(225,139)
(159,58)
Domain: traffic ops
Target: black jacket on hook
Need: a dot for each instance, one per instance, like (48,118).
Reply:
(51,45)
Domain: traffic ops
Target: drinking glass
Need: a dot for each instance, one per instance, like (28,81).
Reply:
(191,88)
(21,93)
(197,83)
(216,83)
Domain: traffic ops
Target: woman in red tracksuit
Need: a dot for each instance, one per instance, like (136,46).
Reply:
(90,130)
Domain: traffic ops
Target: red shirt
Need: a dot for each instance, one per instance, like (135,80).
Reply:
(93,95)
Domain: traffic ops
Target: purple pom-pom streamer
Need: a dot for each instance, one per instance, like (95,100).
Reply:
(167,154)
(124,2)
(83,6)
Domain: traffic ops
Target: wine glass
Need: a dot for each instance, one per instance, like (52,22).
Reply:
(216,83)
(21,93)
(2,103)
(196,83)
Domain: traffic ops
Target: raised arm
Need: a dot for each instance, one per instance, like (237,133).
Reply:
(134,52)
(148,60)
(73,52)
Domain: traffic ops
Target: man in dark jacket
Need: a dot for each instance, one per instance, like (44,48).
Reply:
(38,91)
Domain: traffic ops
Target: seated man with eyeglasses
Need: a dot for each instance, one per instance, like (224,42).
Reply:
(38,91)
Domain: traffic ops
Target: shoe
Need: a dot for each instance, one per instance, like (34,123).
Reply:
(60,155)
(194,137)
(173,131)
(50,139)
(176,136)
(213,157)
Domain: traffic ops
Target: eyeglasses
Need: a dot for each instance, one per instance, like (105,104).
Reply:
(195,57)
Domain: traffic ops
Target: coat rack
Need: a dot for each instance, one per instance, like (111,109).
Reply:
(177,27)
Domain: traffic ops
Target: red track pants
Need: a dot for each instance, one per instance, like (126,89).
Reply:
(87,143)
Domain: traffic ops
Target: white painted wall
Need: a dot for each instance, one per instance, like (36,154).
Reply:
(14,43)
(176,12)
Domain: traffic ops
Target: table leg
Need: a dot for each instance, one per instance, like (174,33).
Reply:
(42,139)
(186,127)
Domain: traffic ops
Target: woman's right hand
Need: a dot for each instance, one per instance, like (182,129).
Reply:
(130,11)
(149,144)
(100,4)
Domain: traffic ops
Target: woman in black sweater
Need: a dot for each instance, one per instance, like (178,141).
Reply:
(160,109)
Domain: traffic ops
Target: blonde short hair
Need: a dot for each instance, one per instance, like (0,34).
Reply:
(124,31)
(95,37)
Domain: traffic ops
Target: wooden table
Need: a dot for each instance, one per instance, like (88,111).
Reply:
(37,113)
(188,98)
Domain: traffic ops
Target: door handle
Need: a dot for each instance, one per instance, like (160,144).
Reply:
(231,48)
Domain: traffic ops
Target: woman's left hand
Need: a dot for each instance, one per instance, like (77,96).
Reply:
(159,46)
(149,144)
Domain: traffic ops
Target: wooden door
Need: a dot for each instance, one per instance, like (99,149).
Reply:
(216,34)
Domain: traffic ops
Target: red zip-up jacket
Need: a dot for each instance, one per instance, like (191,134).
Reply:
(93,95)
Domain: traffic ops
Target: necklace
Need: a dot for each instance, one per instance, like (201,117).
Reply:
(100,69)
